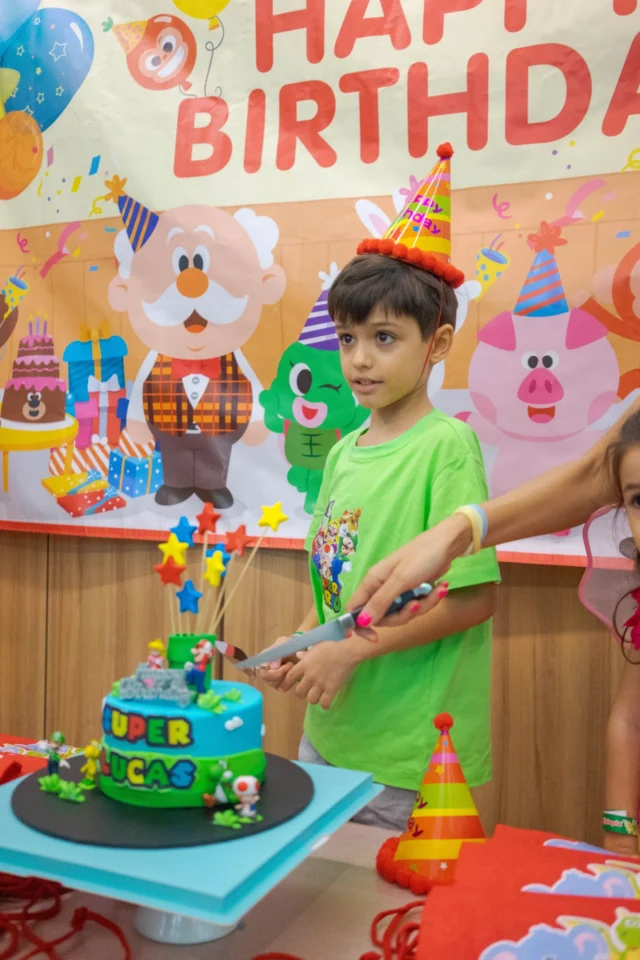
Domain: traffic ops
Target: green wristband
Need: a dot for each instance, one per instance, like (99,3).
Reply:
(614,823)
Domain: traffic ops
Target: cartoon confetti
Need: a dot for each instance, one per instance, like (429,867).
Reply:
(110,229)
(40,189)
(22,243)
(49,156)
(92,269)
(95,165)
(597,216)
(623,234)
(75,186)
(95,209)
(633,161)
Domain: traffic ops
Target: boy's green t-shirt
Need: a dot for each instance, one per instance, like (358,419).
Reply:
(374,500)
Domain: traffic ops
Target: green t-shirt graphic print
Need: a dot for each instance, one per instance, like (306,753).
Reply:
(374,500)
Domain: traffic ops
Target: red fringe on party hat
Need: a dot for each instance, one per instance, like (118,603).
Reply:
(421,233)
(443,818)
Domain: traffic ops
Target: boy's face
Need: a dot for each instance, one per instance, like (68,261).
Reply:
(383,359)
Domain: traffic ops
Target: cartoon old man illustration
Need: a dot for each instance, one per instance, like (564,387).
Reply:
(193,282)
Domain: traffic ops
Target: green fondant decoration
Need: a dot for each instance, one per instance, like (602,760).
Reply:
(234,696)
(50,784)
(180,646)
(227,818)
(115,688)
(71,791)
(212,701)
(208,775)
(157,775)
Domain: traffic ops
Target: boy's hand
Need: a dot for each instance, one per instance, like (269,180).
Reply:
(275,672)
(322,671)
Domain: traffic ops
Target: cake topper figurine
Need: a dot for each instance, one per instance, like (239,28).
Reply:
(247,790)
(195,672)
(52,750)
(156,658)
(91,767)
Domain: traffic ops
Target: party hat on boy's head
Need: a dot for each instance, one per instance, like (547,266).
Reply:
(542,294)
(138,220)
(443,818)
(421,233)
(319,330)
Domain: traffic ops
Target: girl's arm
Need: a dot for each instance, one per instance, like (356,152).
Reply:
(561,498)
(623,758)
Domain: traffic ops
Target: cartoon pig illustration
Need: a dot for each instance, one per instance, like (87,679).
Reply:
(540,376)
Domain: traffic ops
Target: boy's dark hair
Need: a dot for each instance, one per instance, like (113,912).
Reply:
(400,289)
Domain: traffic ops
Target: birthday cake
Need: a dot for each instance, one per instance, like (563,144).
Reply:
(173,737)
(35,393)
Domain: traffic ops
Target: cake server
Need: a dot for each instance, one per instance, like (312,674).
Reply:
(333,630)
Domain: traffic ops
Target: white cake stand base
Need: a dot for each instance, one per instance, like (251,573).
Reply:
(173,928)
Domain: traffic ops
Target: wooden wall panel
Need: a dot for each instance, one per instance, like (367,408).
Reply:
(555,668)
(272,601)
(23,630)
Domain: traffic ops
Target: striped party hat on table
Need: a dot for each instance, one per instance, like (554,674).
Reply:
(542,293)
(319,330)
(138,220)
(421,233)
(443,818)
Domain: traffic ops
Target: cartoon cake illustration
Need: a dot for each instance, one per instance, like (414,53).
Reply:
(35,393)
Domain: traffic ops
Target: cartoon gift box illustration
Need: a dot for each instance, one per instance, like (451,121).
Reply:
(135,476)
(97,383)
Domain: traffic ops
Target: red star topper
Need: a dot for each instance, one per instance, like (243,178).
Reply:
(207,519)
(237,540)
(170,572)
(547,239)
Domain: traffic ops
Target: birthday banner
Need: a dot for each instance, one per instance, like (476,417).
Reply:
(182,180)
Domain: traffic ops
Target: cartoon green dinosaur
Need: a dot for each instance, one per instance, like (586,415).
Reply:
(309,402)
(627,931)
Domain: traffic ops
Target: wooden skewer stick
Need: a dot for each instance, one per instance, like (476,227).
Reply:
(203,567)
(219,615)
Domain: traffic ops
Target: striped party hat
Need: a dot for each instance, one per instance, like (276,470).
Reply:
(421,233)
(542,294)
(443,818)
(138,220)
(319,330)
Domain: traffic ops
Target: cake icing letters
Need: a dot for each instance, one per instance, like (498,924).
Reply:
(148,772)
(155,731)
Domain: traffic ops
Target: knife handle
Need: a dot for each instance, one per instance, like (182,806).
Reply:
(418,593)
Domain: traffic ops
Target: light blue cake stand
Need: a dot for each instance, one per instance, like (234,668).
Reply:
(189,894)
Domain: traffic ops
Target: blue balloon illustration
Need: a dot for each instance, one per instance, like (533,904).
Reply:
(14,15)
(52,54)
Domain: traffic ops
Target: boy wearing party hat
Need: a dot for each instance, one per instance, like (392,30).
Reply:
(371,704)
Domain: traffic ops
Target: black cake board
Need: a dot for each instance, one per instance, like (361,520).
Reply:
(103,822)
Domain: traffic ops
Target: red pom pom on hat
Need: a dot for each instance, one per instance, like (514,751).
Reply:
(385,246)
(445,151)
(444,721)
(400,251)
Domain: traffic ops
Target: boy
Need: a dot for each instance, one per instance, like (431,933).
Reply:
(371,705)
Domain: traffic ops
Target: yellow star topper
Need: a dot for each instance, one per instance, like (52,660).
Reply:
(214,569)
(272,516)
(175,549)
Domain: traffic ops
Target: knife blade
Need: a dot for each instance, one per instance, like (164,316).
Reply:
(334,630)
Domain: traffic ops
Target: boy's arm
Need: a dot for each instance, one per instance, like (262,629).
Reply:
(324,669)
(623,758)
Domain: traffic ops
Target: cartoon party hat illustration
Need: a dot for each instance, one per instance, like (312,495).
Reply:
(443,818)
(129,35)
(542,294)
(421,233)
(319,330)
(139,221)
(490,264)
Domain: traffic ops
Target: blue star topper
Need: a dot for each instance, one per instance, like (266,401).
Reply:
(219,548)
(184,531)
(189,598)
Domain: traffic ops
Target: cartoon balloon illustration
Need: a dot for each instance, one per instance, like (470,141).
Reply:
(21,153)
(52,54)
(161,52)
(13,16)
(203,10)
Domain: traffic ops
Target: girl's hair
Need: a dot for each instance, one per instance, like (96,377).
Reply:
(627,439)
